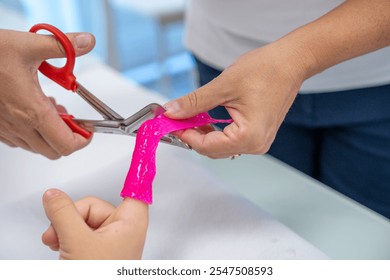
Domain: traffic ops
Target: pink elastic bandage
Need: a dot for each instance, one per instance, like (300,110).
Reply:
(138,183)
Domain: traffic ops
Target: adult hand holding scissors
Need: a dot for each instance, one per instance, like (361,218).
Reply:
(28,118)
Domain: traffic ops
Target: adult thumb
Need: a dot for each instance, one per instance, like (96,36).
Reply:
(47,46)
(62,213)
(201,100)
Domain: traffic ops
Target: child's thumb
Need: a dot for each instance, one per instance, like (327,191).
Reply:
(62,213)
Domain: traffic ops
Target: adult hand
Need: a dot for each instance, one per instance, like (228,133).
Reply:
(257,91)
(259,88)
(94,229)
(28,119)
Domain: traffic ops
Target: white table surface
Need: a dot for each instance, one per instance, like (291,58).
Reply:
(339,226)
(199,210)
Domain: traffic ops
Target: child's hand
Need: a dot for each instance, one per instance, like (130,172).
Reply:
(94,229)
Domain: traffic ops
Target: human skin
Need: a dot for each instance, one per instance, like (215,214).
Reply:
(94,229)
(260,86)
(28,118)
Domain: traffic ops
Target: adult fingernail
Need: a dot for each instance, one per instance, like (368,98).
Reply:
(172,107)
(83,40)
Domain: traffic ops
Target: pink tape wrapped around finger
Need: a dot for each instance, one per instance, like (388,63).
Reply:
(138,183)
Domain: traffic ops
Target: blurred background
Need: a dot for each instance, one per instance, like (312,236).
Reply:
(142,39)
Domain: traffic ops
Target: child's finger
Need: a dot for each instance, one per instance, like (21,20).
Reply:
(62,213)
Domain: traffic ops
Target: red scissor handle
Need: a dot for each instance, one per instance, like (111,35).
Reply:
(68,119)
(64,75)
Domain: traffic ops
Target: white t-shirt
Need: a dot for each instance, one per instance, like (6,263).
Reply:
(219,31)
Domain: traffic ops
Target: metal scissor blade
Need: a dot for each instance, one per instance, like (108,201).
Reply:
(174,140)
(105,111)
(131,125)
(150,111)
(122,126)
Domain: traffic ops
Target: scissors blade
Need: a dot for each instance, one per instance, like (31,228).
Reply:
(104,110)
(131,125)
(150,111)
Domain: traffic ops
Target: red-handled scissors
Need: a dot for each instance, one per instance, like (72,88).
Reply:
(113,122)
(64,77)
